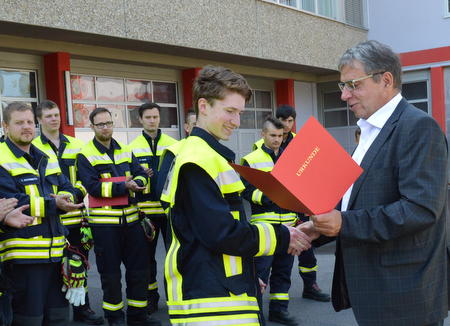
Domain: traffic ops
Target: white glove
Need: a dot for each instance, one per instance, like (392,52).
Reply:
(75,296)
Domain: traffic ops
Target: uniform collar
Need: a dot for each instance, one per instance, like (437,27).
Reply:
(34,151)
(222,150)
(158,135)
(271,152)
(102,149)
(45,140)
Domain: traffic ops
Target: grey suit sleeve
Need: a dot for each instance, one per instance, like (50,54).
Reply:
(408,197)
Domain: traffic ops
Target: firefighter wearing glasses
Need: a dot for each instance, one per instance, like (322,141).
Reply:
(118,235)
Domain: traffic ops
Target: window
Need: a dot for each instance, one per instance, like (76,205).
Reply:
(448,8)
(417,94)
(354,12)
(348,11)
(17,85)
(257,109)
(122,97)
(335,111)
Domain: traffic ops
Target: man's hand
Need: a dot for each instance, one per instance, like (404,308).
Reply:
(17,219)
(262,285)
(7,205)
(299,241)
(149,172)
(328,224)
(64,203)
(130,184)
(309,229)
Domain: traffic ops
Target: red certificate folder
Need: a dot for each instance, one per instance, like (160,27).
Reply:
(113,201)
(311,175)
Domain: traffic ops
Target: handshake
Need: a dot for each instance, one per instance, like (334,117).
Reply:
(328,224)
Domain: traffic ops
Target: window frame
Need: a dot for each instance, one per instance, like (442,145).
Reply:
(428,98)
(255,109)
(20,99)
(446,8)
(126,103)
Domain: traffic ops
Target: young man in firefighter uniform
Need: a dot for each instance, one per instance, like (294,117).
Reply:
(66,148)
(32,256)
(278,267)
(307,262)
(209,265)
(148,148)
(118,235)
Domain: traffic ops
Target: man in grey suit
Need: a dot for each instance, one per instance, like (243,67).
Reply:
(391,251)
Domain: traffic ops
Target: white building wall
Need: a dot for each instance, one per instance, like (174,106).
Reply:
(409,25)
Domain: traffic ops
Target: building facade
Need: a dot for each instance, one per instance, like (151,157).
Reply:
(118,54)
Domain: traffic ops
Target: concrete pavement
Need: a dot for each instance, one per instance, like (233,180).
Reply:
(307,312)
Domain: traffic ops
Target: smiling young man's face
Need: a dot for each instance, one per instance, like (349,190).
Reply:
(221,118)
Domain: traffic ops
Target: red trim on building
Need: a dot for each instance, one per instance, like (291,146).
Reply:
(285,93)
(55,64)
(438,95)
(425,56)
(188,77)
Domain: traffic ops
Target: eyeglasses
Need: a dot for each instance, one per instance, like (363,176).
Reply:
(350,84)
(103,125)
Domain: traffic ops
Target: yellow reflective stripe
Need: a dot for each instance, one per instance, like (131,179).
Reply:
(172,275)
(279,296)
(122,156)
(237,319)
(32,242)
(228,181)
(31,254)
(142,151)
(267,239)
(308,270)
(111,219)
(257,196)
(149,204)
(265,166)
(153,286)
(16,168)
(137,303)
(98,159)
(144,180)
(206,305)
(71,197)
(274,218)
(232,264)
(107,189)
(80,186)
(72,174)
(111,306)
(113,211)
(105,175)
(37,207)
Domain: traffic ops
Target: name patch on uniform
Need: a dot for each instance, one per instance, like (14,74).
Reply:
(29,180)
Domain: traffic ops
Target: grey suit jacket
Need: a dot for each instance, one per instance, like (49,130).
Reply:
(391,259)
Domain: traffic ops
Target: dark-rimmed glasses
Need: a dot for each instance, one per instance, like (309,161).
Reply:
(103,125)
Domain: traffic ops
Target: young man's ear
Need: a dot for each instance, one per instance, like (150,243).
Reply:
(202,105)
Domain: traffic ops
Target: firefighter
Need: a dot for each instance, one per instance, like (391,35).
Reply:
(32,256)
(307,262)
(148,149)
(209,265)
(278,266)
(118,235)
(52,142)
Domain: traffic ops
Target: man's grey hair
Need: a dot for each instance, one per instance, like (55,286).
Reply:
(375,57)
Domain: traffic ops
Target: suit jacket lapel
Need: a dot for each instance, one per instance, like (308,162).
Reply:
(367,161)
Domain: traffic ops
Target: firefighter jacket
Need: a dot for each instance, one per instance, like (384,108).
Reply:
(263,209)
(96,162)
(209,267)
(66,154)
(32,178)
(283,146)
(148,153)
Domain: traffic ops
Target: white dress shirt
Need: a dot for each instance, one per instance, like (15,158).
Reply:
(370,129)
